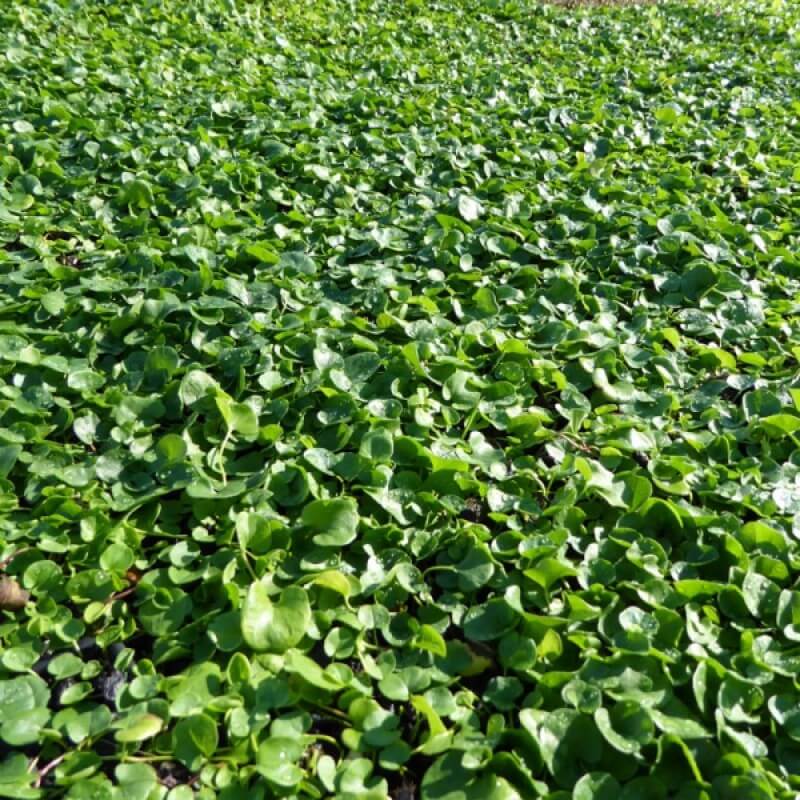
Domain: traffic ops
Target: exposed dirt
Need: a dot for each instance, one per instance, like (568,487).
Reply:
(474,510)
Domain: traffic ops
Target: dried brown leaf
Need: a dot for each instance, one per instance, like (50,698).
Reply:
(12,596)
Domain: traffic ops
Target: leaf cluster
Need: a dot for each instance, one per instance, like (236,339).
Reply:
(399,399)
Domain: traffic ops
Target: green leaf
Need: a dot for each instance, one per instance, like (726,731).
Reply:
(333,580)
(596,786)
(274,627)
(428,638)
(683,728)
(620,392)
(139,727)
(276,761)
(779,425)
(335,521)
(548,571)
(489,621)
(137,781)
(762,536)
(17,779)
(195,739)
(239,417)
(469,208)
(196,385)
(377,446)
(627,727)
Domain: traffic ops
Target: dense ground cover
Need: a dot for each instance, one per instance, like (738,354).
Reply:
(399,399)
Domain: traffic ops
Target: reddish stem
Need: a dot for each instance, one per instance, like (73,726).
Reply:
(49,766)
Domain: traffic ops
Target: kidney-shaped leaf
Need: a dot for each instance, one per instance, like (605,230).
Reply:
(335,521)
(274,627)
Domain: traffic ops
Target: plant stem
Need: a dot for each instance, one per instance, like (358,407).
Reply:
(220,461)
(48,767)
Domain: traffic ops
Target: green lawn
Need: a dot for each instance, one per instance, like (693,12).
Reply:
(399,400)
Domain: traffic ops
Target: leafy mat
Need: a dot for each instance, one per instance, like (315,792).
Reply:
(399,399)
